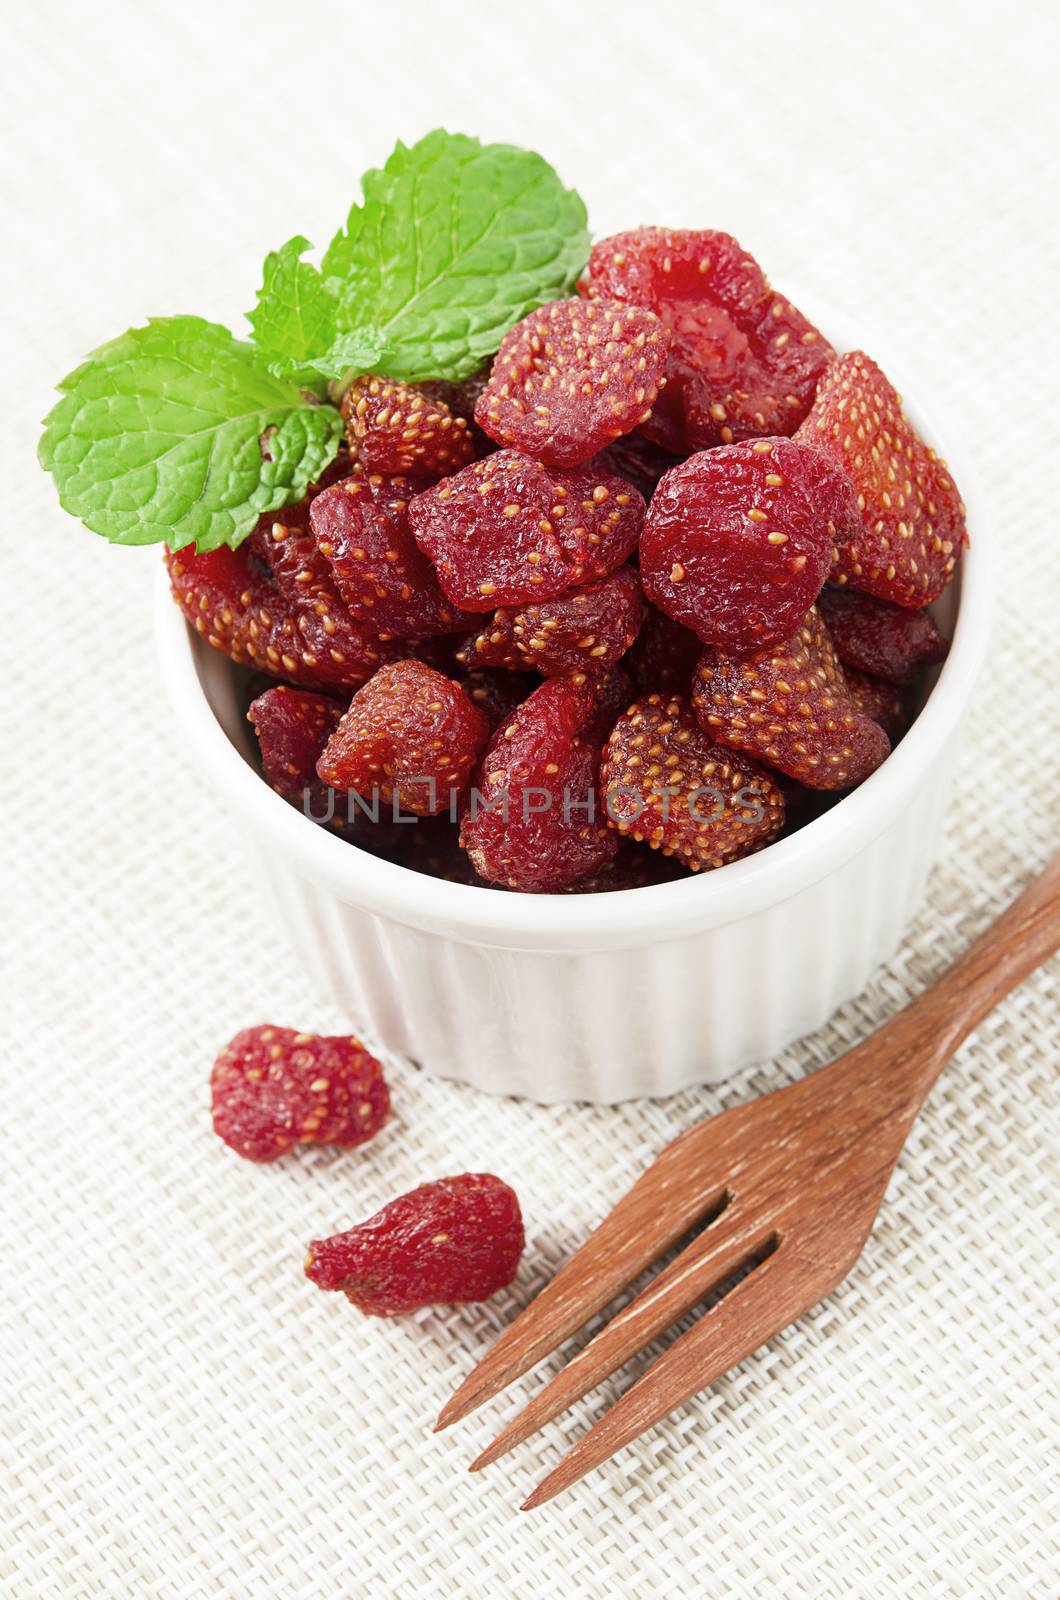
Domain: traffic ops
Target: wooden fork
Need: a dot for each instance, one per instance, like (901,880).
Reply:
(784,1190)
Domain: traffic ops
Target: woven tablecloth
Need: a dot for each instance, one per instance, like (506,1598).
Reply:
(183,1415)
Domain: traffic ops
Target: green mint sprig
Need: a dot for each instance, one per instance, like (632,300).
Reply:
(293,317)
(179,432)
(455,241)
(295,322)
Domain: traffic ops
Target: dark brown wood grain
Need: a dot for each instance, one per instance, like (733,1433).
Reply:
(789,1185)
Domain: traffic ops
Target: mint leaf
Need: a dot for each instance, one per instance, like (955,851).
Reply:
(294,316)
(455,241)
(294,322)
(178,432)
(356,351)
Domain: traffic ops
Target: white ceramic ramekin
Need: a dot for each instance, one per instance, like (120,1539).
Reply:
(603,997)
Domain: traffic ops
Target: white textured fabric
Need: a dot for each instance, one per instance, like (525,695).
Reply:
(183,1415)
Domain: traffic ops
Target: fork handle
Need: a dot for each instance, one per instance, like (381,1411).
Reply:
(931,1028)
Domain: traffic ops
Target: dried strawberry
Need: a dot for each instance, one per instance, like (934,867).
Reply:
(738,541)
(444,1243)
(912,518)
(532,821)
(585,628)
(497,693)
(507,530)
(394,429)
(461,399)
(743,362)
(273,604)
(292,728)
(889,704)
(410,733)
(361,527)
(273,1088)
(572,376)
(884,640)
(666,783)
(664,655)
(638,460)
(283,544)
(790,707)
(232,598)
(613,692)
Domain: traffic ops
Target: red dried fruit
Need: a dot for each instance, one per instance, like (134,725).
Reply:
(738,541)
(572,376)
(410,733)
(232,599)
(583,629)
(884,640)
(439,652)
(292,728)
(361,528)
(462,398)
(889,704)
(790,707)
(743,362)
(507,530)
(532,820)
(497,693)
(392,428)
(273,1088)
(912,519)
(283,544)
(272,604)
(636,459)
(613,693)
(444,1243)
(664,655)
(665,783)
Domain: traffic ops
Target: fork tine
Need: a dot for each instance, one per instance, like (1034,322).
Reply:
(765,1302)
(663,1204)
(711,1257)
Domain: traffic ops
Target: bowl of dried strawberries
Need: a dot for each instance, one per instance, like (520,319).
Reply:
(579,635)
